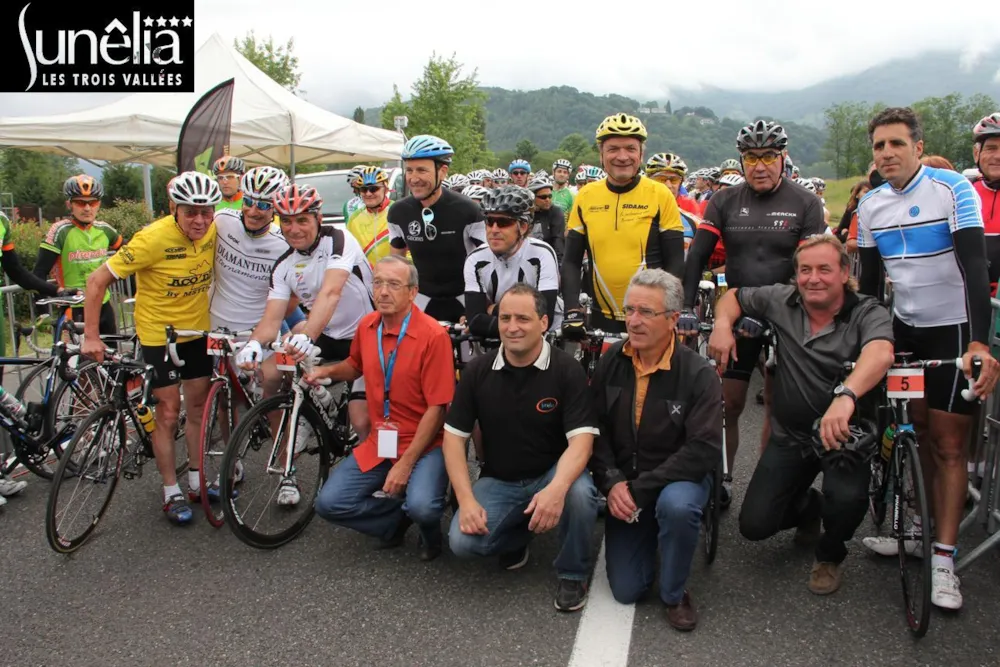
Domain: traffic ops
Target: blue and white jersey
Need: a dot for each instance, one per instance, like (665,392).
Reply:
(912,229)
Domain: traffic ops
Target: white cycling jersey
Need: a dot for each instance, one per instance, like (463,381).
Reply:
(243,264)
(302,274)
(534,263)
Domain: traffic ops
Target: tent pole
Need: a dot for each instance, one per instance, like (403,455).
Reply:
(147,187)
(291,156)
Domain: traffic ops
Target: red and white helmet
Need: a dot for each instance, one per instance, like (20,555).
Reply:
(296,199)
(987,127)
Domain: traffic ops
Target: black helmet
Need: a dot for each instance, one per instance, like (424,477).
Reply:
(82,185)
(762,134)
(511,200)
(860,447)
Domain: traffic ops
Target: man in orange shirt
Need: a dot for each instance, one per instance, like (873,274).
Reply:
(397,475)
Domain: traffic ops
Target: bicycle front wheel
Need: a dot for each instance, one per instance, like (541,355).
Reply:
(89,469)
(910,501)
(216,427)
(258,506)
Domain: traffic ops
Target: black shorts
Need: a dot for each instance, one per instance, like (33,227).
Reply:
(942,386)
(748,355)
(106,324)
(197,363)
(332,349)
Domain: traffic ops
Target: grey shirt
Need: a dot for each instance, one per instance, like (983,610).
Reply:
(810,366)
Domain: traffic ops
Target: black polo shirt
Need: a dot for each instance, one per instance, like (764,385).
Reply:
(810,366)
(527,415)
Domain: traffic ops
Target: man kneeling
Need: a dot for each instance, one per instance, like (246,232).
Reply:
(533,407)
(659,408)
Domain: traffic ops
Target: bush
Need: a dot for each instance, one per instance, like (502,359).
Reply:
(127,217)
(27,236)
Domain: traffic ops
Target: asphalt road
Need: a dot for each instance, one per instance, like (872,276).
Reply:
(142,592)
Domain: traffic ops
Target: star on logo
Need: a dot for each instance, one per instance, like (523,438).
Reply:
(161,22)
(187,21)
(148,21)
(174,21)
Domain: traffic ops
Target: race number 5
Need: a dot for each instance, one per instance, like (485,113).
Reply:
(905,383)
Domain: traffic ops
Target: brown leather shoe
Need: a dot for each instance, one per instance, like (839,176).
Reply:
(825,578)
(682,616)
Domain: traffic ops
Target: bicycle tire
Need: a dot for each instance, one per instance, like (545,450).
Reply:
(45,435)
(908,457)
(877,488)
(710,517)
(245,533)
(217,393)
(90,368)
(59,543)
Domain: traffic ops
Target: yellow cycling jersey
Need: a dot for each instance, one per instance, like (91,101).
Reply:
(173,277)
(371,231)
(620,226)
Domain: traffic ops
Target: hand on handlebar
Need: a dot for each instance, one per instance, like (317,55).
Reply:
(249,356)
(688,323)
(93,348)
(749,327)
(299,346)
(572,326)
(988,374)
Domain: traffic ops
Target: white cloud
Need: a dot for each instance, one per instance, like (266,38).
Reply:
(351,54)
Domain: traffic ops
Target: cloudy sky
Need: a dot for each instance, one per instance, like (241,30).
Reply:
(352,53)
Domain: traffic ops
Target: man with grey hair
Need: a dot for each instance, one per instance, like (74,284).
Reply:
(659,408)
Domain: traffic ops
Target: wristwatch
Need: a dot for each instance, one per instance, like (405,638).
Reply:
(842,390)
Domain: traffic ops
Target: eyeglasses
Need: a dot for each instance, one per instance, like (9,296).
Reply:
(227,177)
(644,313)
(261,204)
(751,160)
(548,196)
(393,285)
(503,223)
(371,189)
(430,231)
(89,203)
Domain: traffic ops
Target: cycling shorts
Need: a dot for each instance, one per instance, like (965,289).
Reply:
(942,386)
(446,309)
(106,323)
(747,356)
(332,349)
(194,354)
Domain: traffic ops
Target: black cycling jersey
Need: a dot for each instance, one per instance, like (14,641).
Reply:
(440,245)
(759,231)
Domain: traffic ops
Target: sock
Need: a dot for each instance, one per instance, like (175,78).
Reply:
(193,482)
(944,556)
(169,491)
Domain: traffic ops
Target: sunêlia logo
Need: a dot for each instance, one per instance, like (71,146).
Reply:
(100,48)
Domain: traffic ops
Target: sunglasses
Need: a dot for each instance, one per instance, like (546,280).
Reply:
(502,223)
(227,177)
(549,196)
(518,173)
(261,204)
(768,159)
(430,231)
(371,189)
(90,203)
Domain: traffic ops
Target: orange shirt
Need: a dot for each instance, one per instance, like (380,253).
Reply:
(642,375)
(852,231)
(424,376)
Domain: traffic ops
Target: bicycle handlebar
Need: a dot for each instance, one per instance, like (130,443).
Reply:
(61,301)
(968,394)
(170,354)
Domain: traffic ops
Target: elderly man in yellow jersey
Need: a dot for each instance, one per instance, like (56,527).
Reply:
(229,172)
(173,261)
(625,222)
(369,223)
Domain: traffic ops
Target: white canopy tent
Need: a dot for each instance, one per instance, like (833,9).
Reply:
(270,125)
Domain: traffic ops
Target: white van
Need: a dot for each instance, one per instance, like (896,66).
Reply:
(336,191)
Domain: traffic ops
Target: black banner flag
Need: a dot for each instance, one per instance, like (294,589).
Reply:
(205,133)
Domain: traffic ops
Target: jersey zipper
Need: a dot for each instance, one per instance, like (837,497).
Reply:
(618,201)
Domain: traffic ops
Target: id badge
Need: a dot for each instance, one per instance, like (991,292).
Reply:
(388,440)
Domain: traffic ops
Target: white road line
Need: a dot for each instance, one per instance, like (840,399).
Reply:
(605,631)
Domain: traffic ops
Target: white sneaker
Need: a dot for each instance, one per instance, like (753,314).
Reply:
(9,487)
(889,546)
(288,494)
(944,589)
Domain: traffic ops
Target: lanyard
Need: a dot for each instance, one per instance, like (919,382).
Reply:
(387,369)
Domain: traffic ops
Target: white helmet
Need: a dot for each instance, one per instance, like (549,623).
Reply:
(194,189)
(459,181)
(732,180)
(475,192)
(263,182)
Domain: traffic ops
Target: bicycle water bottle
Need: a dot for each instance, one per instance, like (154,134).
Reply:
(146,418)
(722,287)
(887,439)
(323,396)
(12,406)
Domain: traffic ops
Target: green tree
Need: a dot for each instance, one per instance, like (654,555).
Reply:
(121,181)
(669,110)
(359,115)
(444,104)
(847,147)
(526,150)
(277,61)
(575,147)
(35,181)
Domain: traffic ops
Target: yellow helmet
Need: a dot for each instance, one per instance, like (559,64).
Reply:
(621,125)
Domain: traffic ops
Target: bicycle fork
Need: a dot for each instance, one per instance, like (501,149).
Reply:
(288,468)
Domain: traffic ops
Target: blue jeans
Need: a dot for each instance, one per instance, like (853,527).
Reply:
(346,498)
(674,525)
(505,503)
